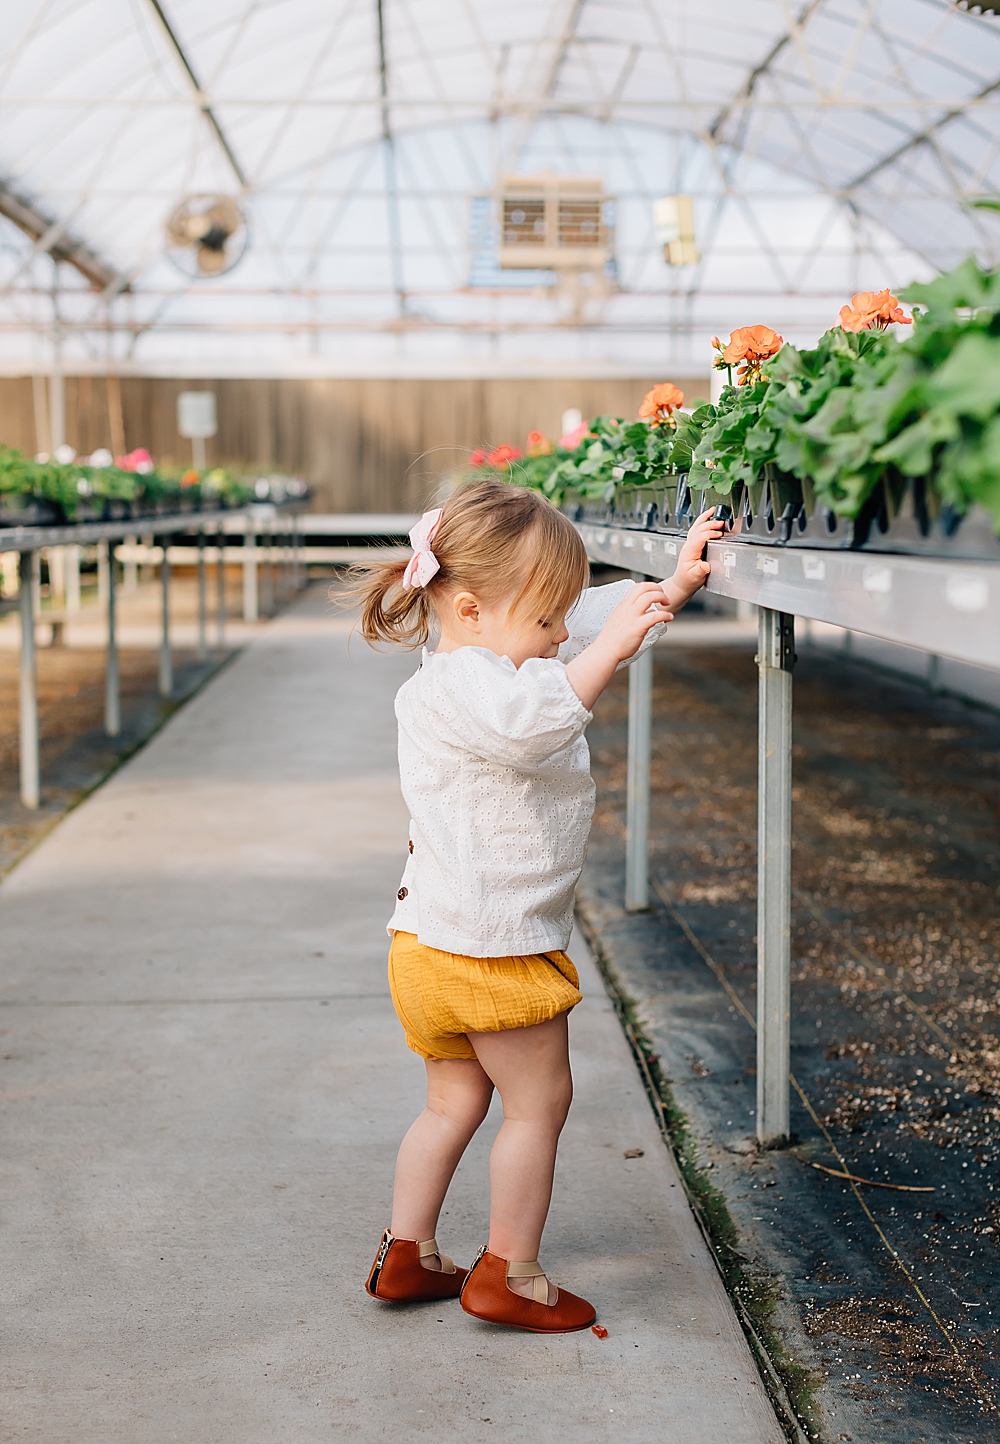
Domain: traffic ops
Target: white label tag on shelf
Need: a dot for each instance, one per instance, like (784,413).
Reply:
(647,546)
(628,541)
(967,593)
(729,563)
(813,569)
(671,549)
(877,579)
(768,565)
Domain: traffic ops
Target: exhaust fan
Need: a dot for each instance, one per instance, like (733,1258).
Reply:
(206,235)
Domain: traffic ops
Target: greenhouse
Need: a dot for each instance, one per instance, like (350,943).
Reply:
(516,489)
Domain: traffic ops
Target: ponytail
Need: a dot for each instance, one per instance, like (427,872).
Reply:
(388,613)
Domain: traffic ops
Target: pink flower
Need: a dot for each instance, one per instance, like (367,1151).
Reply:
(138,460)
(572,439)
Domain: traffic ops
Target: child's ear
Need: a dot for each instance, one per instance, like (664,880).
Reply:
(466,609)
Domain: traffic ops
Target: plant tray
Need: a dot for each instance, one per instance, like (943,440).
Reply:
(781,511)
(27,511)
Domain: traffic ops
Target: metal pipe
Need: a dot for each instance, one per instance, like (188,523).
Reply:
(640,724)
(130,577)
(112,679)
(250,572)
(286,558)
(30,774)
(202,604)
(775,659)
(36,580)
(72,579)
(220,587)
(389,164)
(267,580)
(166,660)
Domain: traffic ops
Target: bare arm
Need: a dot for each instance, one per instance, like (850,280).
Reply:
(621,636)
(645,606)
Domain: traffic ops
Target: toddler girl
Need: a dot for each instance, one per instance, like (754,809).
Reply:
(495,773)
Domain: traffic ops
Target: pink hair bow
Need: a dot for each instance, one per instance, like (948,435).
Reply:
(423,563)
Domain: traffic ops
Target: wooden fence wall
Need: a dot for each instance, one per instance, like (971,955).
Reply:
(364,445)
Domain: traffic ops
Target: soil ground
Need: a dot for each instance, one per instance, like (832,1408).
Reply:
(75,753)
(888,1297)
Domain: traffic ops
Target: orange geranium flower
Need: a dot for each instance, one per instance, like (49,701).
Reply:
(752,344)
(658,405)
(537,444)
(501,455)
(873,311)
(477,458)
(749,347)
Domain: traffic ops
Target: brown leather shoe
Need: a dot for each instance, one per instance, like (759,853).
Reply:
(487,1296)
(398,1276)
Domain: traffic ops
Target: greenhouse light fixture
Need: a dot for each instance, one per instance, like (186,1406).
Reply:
(673,218)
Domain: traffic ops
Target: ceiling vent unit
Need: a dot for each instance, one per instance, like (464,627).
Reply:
(673,219)
(556,223)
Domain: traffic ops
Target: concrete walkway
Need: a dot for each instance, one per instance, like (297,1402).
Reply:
(204,1085)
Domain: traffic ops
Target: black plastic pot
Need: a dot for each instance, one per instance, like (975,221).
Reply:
(903,515)
(27,511)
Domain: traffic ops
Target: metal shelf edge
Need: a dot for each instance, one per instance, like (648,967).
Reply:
(951,608)
(31,538)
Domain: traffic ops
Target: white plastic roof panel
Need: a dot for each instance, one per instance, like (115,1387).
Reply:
(829,146)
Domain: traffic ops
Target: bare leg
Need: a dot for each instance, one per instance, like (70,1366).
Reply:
(530,1068)
(458,1099)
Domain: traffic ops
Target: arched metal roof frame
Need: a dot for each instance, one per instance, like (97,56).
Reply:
(358,134)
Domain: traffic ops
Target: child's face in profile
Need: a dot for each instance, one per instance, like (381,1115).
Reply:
(466,621)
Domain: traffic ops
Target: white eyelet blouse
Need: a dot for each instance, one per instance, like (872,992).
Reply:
(495,771)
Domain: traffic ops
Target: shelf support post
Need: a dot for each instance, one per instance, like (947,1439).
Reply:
(112,683)
(220,586)
(775,659)
(166,660)
(72,579)
(250,570)
(640,727)
(30,775)
(202,599)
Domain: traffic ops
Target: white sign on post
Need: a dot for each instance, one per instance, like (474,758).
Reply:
(196,414)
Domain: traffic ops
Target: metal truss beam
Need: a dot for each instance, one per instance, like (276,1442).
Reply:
(748,87)
(389,160)
(199,93)
(49,235)
(923,137)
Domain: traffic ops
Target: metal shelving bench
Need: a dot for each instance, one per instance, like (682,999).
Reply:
(250,521)
(950,608)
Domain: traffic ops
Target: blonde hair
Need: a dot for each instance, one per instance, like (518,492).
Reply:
(494,540)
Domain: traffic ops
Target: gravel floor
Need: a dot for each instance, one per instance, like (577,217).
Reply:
(888,1296)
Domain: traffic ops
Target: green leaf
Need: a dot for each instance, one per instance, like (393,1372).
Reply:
(968,384)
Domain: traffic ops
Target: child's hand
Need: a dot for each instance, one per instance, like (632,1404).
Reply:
(621,637)
(643,607)
(691,572)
